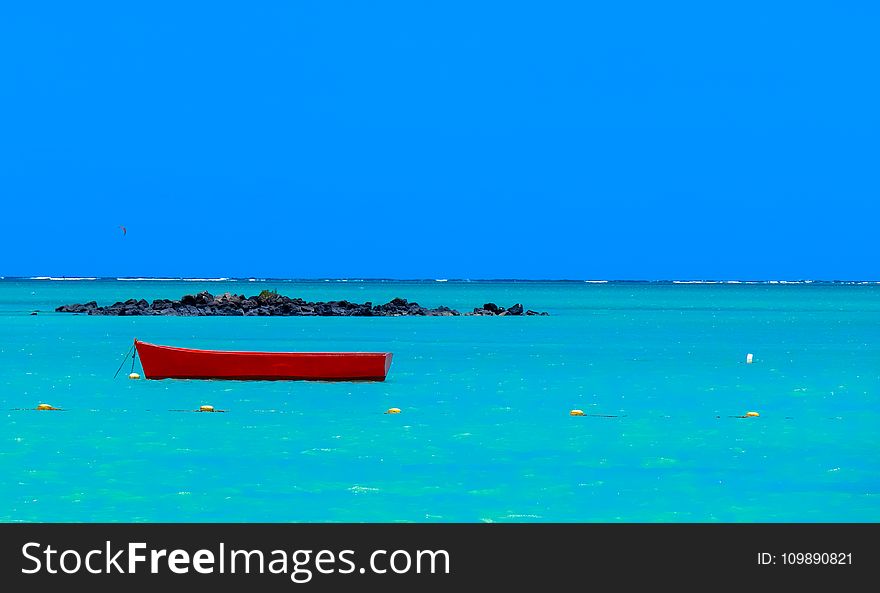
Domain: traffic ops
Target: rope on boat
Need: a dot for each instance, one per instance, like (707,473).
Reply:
(126,358)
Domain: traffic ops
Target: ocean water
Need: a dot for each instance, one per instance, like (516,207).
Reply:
(485,432)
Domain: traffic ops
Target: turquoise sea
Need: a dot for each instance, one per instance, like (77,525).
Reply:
(485,432)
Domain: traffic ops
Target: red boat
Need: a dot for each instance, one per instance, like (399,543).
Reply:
(167,362)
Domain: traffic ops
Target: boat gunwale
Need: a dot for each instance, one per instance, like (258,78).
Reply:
(259,352)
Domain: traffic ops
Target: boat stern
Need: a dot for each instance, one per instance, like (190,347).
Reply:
(388,356)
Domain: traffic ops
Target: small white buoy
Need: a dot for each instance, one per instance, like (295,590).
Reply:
(576,413)
(46,407)
(751,415)
(393,411)
(206,408)
(134,376)
(749,358)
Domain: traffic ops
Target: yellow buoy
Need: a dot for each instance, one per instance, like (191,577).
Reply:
(393,411)
(46,407)
(134,376)
(206,408)
(752,414)
(577,413)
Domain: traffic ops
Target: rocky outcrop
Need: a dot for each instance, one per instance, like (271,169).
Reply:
(269,303)
(493,309)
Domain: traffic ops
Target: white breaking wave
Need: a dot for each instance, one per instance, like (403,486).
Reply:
(207,280)
(748,282)
(596,281)
(148,279)
(59,278)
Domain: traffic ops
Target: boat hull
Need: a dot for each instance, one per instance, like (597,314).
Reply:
(168,362)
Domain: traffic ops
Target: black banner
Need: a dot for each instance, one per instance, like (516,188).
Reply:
(277,557)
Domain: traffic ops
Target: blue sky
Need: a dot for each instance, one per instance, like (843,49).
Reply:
(624,140)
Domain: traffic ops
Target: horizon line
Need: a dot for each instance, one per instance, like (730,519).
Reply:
(441,280)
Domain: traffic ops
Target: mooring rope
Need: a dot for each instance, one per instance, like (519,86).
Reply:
(126,358)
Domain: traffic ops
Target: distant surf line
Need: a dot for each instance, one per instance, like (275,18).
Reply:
(438,280)
(62,278)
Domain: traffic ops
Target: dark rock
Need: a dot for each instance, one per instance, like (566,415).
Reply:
(203,298)
(161,304)
(493,308)
(288,308)
(516,309)
(77,308)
